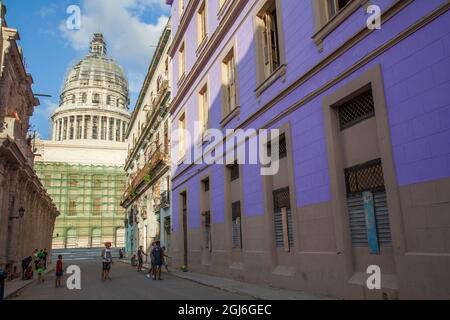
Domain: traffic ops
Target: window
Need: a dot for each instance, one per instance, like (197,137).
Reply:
(71,128)
(234,172)
(87,121)
(236,225)
(229,82)
(182,61)
(182,137)
(108,100)
(96,98)
(356,110)
(72,99)
(201,23)
(84,98)
(334,6)
(111,129)
(79,126)
(207,226)
(282,147)
(72,208)
(366,189)
(73,181)
(206,185)
(268,26)
(95,128)
(283,219)
(203,109)
(117,130)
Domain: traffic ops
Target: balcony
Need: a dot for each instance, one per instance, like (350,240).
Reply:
(9,128)
(165,199)
(158,160)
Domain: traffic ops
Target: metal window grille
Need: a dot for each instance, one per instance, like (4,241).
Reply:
(360,178)
(365,177)
(236,225)
(356,110)
(282,147)
(281,200)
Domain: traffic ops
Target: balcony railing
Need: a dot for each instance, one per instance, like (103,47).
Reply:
(165,199)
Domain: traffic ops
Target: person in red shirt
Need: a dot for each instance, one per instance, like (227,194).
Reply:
(59,271)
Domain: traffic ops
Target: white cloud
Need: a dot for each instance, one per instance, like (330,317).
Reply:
(46,109)
(129,39)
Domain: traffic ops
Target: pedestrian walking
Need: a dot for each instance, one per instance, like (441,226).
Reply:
(107,261)
(158,256)
(140,256)
(59,271)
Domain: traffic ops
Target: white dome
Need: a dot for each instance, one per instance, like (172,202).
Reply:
(94,98)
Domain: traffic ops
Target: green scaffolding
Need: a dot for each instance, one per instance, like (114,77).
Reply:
(88,198)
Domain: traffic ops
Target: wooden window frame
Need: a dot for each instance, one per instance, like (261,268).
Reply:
(325,25)
(229,112)
(266,78)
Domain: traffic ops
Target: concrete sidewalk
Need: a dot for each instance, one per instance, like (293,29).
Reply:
(261,292)
(14,286)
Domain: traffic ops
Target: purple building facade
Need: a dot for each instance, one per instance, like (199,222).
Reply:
(364,114)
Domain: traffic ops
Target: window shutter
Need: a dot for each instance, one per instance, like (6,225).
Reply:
(281,200)
(360,178)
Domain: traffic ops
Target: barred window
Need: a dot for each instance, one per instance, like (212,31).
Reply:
(356,110)
(206,185)
(236,225)
(365,177)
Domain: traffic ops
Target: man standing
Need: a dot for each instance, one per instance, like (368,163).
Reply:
(158,256)
(107,261)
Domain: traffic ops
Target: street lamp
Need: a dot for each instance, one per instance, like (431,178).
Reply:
(20,216)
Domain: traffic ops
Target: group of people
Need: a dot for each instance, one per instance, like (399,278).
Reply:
(157,260)
(39,258)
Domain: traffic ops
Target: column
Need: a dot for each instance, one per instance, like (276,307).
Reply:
(83,127)
(100,119)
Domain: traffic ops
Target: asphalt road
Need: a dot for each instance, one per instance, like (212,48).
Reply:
(126,284)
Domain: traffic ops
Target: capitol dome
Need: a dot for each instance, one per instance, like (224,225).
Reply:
(94,99)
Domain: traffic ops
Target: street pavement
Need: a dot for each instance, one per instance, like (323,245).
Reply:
(126,284)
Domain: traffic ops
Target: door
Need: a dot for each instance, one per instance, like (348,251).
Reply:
(185,230)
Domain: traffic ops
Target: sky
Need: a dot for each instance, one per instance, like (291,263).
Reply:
(131,28)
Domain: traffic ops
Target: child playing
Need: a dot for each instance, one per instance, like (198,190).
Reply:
(59,271)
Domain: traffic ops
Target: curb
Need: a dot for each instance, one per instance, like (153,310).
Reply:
(26,284)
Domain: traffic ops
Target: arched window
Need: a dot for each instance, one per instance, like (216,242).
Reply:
(108,100)
(118,103)
(84,98)
(72,99)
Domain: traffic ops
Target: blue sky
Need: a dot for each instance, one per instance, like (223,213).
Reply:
(131,28)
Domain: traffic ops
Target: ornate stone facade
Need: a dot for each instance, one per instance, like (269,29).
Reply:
(27,213)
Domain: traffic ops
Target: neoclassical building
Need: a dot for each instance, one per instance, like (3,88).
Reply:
(27,213)
(147,196)
(82,165)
